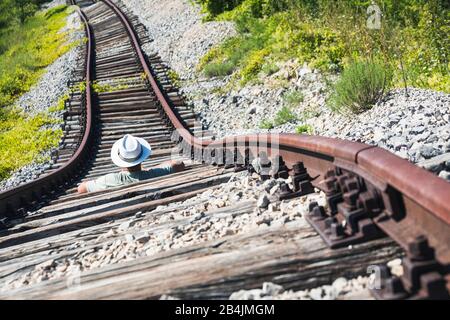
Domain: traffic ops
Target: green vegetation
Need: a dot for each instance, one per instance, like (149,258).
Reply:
(29,42)
(25,50)
(304,129)
(105,87)
(270,68)
(80,87)
(266,124)
(22,139)
(293,98)
(361,85)
(60,105)
(333,36)
(17,11)
(218,69)
(174,78)
(285,115)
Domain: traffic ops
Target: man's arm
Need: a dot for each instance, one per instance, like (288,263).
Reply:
(82,188)
(177,166)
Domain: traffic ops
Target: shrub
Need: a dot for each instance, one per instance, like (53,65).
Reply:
(34,138)
(270,68)
(285,115)
(218,69)
(266,124)
(215,7)
(361,85)
(329,34)
(253,65)
(293,97)
(25,50)
(59,105)
(174,77)
(304,129)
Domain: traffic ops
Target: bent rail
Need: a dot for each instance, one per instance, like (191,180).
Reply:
(364,184)
(16,199)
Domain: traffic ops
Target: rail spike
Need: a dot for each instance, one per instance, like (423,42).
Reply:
(351,206)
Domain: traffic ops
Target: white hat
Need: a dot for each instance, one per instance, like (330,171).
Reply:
(130,151)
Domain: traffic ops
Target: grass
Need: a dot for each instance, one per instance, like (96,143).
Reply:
(270,68)
(266,124)
(22,140)
(304,129)
(60,105)
(218,69)
(26,49)
(285,115)
(106,87)
(174,78)
(262,41)
(362,84)
(293,97)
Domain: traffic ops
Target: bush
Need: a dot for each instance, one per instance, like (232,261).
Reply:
(27,50)
(270,68)
(174,77)
(218,69)
(215,7)
(31,134)
(361,85)
(253,66)
(293,97)
(304,129)
(266,124)
(60,105)
(285,115)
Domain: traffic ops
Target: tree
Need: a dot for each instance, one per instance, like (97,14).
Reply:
(25,9)
(6,13)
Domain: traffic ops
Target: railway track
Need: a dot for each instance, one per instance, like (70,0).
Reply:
(48,226)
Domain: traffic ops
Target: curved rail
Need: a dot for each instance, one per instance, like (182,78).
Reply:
(367,186)
(403,200)
(17,198)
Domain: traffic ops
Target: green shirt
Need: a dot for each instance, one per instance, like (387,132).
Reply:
(124,178)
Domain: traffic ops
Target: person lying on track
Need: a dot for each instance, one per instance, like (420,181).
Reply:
(128,153)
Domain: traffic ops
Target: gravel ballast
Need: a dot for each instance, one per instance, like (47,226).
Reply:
(179,35)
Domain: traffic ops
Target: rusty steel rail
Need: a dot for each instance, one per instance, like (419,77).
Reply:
(370,188)
(16,200)
(370,192)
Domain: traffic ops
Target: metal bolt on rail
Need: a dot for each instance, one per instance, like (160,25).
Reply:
(422,276)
